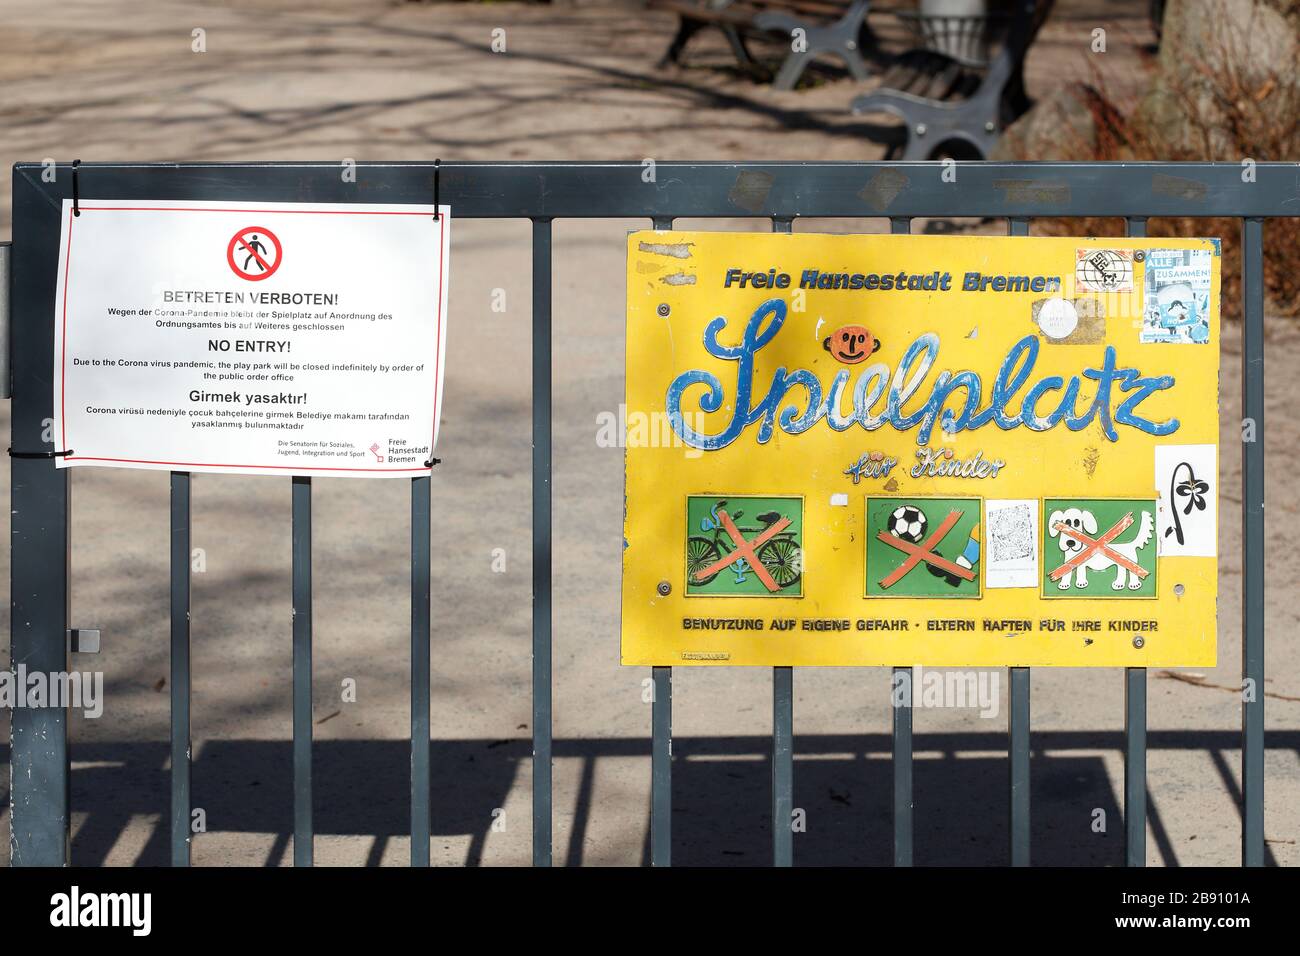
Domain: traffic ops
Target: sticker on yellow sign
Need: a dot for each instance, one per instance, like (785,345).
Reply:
(929,448)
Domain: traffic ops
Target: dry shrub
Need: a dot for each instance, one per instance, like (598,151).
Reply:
(1226,107)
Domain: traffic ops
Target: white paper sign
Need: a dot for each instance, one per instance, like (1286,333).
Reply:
(251,338)
(1187,481)
(1012,530)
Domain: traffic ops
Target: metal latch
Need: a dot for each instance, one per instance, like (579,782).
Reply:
(83,640)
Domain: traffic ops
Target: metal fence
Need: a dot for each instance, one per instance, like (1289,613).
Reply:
(542,193)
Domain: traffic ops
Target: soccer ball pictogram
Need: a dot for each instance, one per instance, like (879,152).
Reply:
(908,522)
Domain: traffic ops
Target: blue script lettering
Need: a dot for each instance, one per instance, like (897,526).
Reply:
(795,400)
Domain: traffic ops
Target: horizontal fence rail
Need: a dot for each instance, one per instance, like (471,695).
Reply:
(541,193)
(711,190)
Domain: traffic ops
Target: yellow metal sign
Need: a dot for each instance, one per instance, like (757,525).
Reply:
(920,450)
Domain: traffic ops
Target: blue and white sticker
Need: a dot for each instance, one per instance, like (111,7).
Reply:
(1176,299)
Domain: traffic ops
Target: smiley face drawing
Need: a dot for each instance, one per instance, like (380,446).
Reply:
(851,344)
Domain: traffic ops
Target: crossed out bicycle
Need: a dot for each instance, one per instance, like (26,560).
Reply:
(779,554)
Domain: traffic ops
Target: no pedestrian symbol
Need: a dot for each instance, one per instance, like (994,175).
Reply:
(254,253)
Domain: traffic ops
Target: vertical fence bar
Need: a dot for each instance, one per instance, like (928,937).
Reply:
(302,801)
(782,765)
(541,542)
(181,830)
(1252,549)
(4,320)
(661,770)
(1019,755)
(38,771)
(901,708)
(1018,724)
(38,573)
(1135,722)
(1135,766)
(661,746)
(782,726)
(420,611)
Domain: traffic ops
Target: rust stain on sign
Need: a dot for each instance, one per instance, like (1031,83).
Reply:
(1091,328)
(1091,456)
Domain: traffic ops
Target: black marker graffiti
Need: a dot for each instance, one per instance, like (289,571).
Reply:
(1191,488)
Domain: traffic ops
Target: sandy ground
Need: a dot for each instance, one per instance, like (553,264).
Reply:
(368,80)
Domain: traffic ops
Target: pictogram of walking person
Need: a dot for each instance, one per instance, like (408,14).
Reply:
(256,253)
(254,244)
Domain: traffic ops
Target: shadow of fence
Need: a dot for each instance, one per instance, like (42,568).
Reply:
(721,794)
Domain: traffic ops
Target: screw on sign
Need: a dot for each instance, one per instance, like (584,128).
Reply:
(254,253)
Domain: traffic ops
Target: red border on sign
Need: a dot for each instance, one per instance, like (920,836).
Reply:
(63,354)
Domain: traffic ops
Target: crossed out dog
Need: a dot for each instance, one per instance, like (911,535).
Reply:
(1084,521)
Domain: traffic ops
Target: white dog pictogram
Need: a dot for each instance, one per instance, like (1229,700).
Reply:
(1084,521)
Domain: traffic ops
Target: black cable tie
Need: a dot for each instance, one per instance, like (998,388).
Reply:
(39,454)
(432,461)
(437,165)
(76,190)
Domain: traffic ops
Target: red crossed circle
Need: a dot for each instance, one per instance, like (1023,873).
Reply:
(242,245)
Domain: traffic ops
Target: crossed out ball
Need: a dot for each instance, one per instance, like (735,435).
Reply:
(908,522)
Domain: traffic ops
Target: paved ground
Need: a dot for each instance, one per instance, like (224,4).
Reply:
(368,80)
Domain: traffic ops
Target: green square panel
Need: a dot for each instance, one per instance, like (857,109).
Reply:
(744,546)
(1122,567)
(921,547)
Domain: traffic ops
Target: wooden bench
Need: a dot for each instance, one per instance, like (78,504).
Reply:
(953,97)
(836,28)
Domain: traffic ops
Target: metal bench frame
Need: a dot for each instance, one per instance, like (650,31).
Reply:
(976,121)
(840,39)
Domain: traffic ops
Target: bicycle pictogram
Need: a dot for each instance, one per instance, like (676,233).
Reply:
(769,550)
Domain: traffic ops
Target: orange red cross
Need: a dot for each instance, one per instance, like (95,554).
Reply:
(924,552)
(747,549)
(1099,545)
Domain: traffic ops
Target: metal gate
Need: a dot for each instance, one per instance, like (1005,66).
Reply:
(542,193)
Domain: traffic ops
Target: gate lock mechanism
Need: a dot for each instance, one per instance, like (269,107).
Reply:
(83,640)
